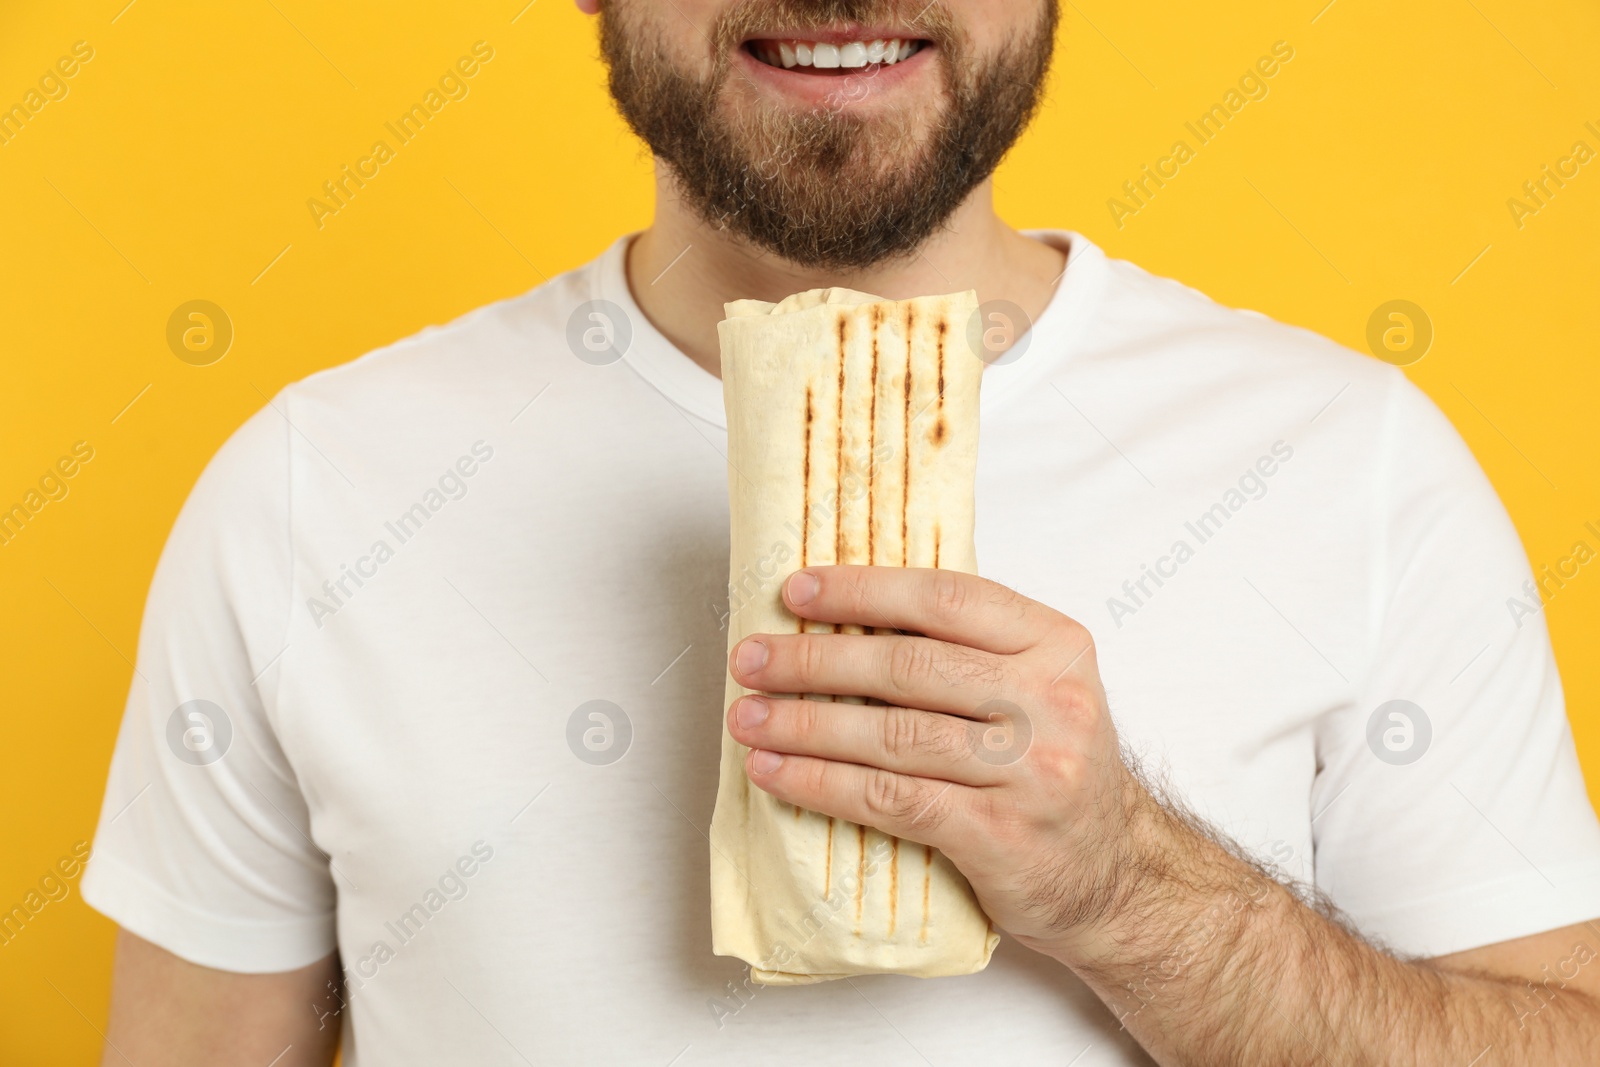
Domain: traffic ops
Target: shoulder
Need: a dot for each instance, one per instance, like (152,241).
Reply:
(1173,321)
(1196,350)
(1201,373)
(339,433)
(1372,429)
(1201,377)
(485,358)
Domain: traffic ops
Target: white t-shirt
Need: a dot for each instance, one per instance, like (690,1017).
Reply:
(362,716)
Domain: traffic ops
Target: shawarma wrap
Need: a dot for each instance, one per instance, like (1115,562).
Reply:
(852,438)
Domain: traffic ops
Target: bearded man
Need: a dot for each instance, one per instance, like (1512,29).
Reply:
(422,744)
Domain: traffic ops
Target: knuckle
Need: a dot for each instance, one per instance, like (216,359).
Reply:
(1079,633)
(909,733)
(888,795)
(1075,705)
(910,664)
(1074,774)
(1056,765)
(1072,641)
(948,595)
(805,718)
(899,734)
(814,780)
(807,661)
(857,599)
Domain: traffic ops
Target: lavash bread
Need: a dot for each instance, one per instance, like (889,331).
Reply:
(863,414)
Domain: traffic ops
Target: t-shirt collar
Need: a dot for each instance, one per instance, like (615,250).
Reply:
(1058,332)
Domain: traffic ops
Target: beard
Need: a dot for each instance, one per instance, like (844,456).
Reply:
(826,188)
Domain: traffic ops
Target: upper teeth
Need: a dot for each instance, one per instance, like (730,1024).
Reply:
(826,56)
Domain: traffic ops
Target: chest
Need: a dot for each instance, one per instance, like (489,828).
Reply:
(567,634)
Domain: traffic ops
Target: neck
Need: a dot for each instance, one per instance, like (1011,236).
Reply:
(681,270)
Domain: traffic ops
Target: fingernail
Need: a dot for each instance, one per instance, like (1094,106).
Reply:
(803,586)
(750,712)
(752,656)
(764,762)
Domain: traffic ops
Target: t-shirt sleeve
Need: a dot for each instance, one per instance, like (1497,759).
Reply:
(204,845)
(1449,807)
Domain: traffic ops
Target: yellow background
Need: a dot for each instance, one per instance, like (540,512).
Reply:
(179,165)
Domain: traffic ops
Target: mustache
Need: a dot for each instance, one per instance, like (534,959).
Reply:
(929,21)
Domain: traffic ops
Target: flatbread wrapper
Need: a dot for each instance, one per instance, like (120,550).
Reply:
(852,438)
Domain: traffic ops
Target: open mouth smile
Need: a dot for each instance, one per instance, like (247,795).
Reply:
(841,66)
(824,55)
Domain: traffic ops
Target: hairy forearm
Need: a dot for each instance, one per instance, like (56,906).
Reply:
(1207,959)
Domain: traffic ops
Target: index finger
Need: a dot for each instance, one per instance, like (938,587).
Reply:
(946,605)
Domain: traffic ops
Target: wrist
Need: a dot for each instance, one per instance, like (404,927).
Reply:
(1167,898)
(1124,852)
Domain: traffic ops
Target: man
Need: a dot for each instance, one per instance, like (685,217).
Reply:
(422,743)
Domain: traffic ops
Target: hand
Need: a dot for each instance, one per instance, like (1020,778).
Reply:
(996,746)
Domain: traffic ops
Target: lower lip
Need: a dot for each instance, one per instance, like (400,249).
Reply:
(837,90)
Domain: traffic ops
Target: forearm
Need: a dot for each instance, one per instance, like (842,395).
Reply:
(1206,959)
(1204,956)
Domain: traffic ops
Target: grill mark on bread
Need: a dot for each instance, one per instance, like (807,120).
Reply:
(838,465)
(861,872)
(805,481)
(927,875)
(872,435)
(939,423)
(894,882)
(805,526)
(905,487)
(827,868)
(935,547)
